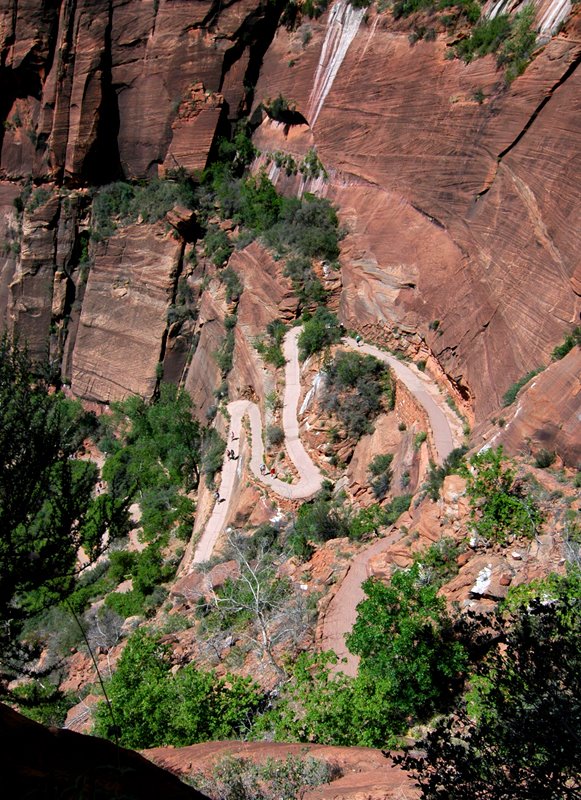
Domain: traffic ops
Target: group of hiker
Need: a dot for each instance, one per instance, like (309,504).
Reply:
(231,455)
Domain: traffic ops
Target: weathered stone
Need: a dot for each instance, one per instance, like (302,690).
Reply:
(124,314)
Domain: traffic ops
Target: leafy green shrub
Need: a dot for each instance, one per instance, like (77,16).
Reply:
(126,604)
(436,474)
(571,340)
(217,245)
(544,458)
(512,38)
(307,227)
(318,521)
(357,389)
(486,37)
(320,331)
(38,198)
(499,507)
(419,439)
(213,448)
(121,565)
(224,356)
(233,285)
(438,563)
(153,707)
(271,350)
(305,283)
(510,394)
(41,702)
(278,108)
(121,203)
(517,50)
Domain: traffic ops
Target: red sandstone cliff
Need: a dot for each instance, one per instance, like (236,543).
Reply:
(459,193)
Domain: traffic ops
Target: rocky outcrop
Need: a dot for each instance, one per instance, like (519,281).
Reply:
(124,316)
(546,414)
(46,762)
(366,773)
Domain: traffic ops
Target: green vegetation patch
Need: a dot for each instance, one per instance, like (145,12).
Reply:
(358,388)
(151,706)
(511,394)
(270,346)
(571,340)
(513,39)
(119,204)
(500,506)
(320,330)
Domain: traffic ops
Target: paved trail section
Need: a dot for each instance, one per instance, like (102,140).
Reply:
(420,386)
(342,610)
(310,479)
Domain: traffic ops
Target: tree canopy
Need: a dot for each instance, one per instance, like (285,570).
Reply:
(519,735)
(152,706)
(47,508)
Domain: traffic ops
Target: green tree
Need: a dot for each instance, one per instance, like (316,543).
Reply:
(406,640)
(519,736)
(153,707)
(156,457)
(47,510)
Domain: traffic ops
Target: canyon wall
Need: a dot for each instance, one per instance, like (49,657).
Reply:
(458,193)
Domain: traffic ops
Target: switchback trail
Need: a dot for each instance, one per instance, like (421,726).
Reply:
(419,385)
(310,479)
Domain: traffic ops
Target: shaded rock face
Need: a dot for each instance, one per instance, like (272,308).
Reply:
(93,92)
(91,89)
(458,210)
(47,762)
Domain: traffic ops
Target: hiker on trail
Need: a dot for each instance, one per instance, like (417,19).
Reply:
(234,438)
(358,340)
(217,496)
(272,472)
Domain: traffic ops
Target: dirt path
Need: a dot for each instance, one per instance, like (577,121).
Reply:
(342,610)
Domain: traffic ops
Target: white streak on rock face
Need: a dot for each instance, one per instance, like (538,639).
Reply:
(342,26)
(556,13)
(311,393)
(500,7)
(549,13)
(317,186)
